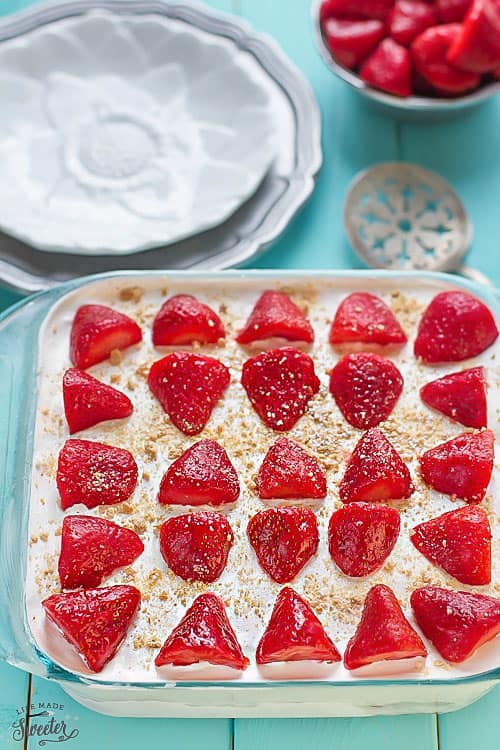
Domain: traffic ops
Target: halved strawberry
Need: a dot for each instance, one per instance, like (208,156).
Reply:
(409,18)
(461,467)
(477,46)
(456,622)
(284,540)
(196,546)
(87,401)
(355,8)
(383,633)
(289,472)
(430,57)
(92,548)
(294,633)
(96,331)
(461,396)
(452,11)
(363,318)
(183,319)
(280,383)
(388,68)
(459,542)
(361,536)
(203,634)
(94,621)
(202,475)
(188,386)
(366,388)
(94,474)
(375,472)
(275,315)
(455,326)
(351,40)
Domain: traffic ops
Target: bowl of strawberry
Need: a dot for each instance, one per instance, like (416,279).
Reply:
(413,55)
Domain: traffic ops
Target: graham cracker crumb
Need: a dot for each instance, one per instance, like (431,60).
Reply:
(131,294)
(116,357)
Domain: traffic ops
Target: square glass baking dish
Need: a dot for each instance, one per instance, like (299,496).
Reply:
(19,343)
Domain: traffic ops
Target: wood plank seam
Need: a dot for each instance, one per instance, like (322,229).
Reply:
(28,709)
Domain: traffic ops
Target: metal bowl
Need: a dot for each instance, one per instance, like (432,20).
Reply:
(407,106)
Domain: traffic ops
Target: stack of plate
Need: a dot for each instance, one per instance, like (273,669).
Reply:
(139,134)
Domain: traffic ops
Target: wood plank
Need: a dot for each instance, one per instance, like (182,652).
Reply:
(14,694)
(476,725)
(387,733)
(354,137)
(12,6)
(466,151)
(98,732)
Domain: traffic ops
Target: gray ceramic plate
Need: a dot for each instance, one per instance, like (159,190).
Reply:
(285,188)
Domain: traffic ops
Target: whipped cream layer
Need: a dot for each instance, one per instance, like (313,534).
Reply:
(155,443)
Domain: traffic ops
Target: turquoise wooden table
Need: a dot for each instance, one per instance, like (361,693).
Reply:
(466,151)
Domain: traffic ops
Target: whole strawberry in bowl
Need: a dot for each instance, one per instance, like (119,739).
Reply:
(413,56)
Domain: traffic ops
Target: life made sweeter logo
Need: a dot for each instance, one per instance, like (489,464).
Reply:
(44,723)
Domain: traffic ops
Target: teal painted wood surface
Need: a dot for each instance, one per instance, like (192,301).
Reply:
(478,725)
(466,151)
(377,733)
(98,732)
(13,697)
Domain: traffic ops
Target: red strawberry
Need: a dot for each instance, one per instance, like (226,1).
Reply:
(188,386)
(92,548)
(459,542)
(452,11)
(455,326)
(361,536)
(94,474)
(383,632)
(87,401)
(94,621)
(280,383)
(202,475)
(375,472)
(183,319)
(456,622)
(351,40)
(461,467)
(276,316)
(203,634)
(365,388)
(196,546)
(389,69)
(477,46)
(496,73)
(96,331)
(355,8)
(430,57)
(461,396)
(284,540)
(294,633)
(289,472)
(409,18)
(365,319)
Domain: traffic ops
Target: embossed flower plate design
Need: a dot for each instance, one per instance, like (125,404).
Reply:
(97,132)
(123,132)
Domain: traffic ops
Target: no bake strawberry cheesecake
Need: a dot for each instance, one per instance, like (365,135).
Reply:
(257,480)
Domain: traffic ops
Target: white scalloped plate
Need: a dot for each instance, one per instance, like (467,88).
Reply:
(124,132)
